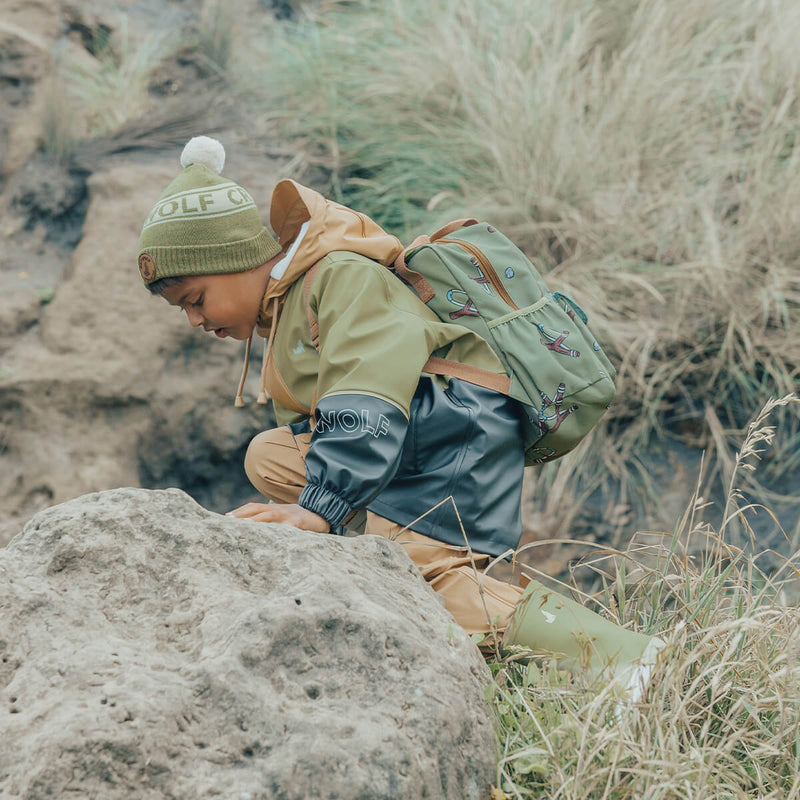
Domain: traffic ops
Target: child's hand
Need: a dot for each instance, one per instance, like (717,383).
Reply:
(290,513)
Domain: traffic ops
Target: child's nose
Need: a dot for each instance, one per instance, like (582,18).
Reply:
(194,316)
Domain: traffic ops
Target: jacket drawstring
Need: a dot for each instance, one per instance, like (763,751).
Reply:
(239,402)
(262,394)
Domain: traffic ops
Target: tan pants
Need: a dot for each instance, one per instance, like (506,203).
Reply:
(275,464)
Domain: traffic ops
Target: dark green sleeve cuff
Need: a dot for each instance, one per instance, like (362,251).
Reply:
(327,504)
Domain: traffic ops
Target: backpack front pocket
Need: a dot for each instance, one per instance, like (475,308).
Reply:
(554,361)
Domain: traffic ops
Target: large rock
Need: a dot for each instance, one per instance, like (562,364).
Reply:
(153,649)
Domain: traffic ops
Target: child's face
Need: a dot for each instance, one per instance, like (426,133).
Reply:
(226,304)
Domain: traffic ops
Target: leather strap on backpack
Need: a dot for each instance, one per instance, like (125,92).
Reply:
(470,374)
(421,286)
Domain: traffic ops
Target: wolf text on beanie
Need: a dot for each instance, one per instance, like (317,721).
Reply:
(203,223)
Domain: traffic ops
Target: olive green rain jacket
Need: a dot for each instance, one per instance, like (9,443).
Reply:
(386,436)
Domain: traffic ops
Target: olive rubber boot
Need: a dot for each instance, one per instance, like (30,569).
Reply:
(581,640)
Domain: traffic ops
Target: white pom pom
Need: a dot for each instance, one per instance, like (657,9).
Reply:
(204,150)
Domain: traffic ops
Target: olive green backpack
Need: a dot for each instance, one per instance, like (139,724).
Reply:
(470,273)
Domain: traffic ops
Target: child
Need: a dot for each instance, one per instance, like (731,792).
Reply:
(362,428)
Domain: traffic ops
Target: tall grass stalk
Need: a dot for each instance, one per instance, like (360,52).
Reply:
(59,132)
(721,716)
(216,32)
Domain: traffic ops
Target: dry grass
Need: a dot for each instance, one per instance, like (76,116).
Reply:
(92,94)
(721,720)
(642,151)
(721,717)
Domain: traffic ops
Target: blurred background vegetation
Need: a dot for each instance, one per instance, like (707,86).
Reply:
(642,152)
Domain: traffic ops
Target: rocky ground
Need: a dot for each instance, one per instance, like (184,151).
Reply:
(102,385)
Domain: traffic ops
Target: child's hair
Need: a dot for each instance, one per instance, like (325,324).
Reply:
(157,287)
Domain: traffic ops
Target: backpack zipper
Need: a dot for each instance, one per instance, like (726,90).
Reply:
(486,268)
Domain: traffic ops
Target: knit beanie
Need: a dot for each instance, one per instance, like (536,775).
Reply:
(203,223)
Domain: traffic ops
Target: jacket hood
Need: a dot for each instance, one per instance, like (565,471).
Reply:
(308,227)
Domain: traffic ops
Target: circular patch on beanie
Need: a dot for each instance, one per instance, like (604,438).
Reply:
(147,266)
